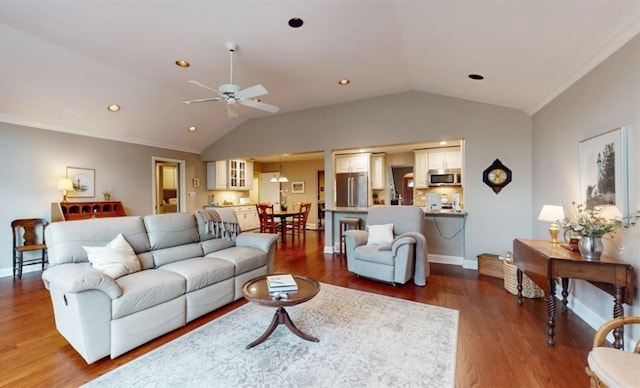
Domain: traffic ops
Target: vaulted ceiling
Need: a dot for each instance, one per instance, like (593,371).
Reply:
(65,61)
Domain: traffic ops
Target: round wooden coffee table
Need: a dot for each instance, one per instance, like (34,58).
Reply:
(257,291)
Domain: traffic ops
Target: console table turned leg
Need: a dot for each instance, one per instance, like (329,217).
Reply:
(565,294)
(551,309)
(519,287)
(618,312)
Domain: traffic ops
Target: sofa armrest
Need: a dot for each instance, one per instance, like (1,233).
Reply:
(74,277)
(399,242)
(262,241)
(356,237)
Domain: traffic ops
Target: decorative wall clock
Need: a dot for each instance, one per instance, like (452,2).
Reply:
(496,176)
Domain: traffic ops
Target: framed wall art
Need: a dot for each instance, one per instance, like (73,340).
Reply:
(297,187)
(84,182)
(603,170)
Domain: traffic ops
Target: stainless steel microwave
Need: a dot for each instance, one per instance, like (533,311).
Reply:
(451,177)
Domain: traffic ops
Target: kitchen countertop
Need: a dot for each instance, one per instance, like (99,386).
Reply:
(441,213)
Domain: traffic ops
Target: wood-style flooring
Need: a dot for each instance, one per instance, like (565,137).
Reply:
(500,344)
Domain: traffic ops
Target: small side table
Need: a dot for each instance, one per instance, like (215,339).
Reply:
(257,291)
(347,223)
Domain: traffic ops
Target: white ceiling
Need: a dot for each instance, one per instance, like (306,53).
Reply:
(64,61)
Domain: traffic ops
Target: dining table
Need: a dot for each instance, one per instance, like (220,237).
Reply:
(283,215)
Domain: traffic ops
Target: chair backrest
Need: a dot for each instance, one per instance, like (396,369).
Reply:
(304,212)
(265,215)
(28,231)
(404,218)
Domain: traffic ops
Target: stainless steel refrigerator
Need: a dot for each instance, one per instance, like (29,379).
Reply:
(352,190)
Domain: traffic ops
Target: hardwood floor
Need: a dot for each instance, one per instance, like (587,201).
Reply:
(500,344)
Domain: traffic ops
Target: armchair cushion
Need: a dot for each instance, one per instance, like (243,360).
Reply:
(380,234)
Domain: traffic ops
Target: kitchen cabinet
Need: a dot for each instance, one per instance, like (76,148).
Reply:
(240,174)
(217,175)
(420,167)
(247,217)
(352,163)
(378,172)
(444,158)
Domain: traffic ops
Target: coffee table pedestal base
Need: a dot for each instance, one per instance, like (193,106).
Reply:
(281,317)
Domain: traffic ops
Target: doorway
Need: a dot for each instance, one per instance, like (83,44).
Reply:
(168,185)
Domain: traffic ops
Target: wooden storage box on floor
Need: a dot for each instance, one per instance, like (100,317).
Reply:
(490,265)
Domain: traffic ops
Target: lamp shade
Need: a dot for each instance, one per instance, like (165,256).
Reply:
(551,213)
(65,184)
(610,212)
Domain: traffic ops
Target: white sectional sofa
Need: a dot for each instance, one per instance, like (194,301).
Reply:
(186,271)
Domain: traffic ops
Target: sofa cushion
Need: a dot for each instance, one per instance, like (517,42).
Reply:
(169,230)
(114,260)
(66,239)
(201,272)
(243,258)
(145,289)
(217,244)
(177,253)
(373,254)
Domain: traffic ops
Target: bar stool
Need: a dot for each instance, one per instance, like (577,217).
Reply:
(347,223)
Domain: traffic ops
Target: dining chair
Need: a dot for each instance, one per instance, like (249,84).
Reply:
(298,224)
(28,236)
(268,223)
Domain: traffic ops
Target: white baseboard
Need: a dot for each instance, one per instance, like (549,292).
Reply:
(444,259)
(8,271)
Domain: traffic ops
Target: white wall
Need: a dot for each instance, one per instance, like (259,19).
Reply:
(35,159)
(489,131)
(606,98)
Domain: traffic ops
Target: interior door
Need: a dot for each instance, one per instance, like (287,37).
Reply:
(168,185)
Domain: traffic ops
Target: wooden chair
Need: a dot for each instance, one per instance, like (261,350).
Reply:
(610,367)
(28,235)
(268,223)
(298,225)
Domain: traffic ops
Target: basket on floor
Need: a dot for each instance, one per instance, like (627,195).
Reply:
(529,288)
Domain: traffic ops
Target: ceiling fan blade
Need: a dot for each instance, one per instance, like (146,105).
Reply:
(252,91)
(231,111)
(260,105)
(203,100)
(204,86)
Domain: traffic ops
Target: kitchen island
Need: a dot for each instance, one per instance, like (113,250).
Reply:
(444,231)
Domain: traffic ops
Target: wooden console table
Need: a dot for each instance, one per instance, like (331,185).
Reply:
(66,211)
(545,262)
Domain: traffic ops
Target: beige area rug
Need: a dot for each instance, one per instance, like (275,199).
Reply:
(366,340)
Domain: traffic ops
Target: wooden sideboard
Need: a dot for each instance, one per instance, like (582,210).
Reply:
(66,211)
(545,262)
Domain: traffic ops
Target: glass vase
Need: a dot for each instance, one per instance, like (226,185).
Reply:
(590,247)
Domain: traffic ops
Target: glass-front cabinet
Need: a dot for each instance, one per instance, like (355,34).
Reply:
(240,174)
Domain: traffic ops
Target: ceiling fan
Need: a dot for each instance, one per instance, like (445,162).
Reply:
(232,94)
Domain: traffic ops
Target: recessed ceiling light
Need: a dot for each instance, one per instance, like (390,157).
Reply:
(256,99)
(192,128)
(113,108)
(182,63)
(295,22)
(443,142)
(477,77)
(344,82)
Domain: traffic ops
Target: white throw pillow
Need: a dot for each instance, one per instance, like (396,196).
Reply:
(116,259)
(380,234)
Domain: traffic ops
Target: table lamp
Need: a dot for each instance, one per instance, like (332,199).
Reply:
(65,185)
(553,214)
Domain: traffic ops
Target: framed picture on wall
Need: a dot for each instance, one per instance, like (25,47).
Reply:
(84,182)
(297,187)
(603,170)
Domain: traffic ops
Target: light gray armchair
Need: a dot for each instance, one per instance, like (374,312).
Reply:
(390,253)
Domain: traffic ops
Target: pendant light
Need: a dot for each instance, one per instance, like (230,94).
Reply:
(280,178)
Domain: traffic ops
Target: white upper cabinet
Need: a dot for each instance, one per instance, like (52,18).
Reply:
(352,163)
(217,175)
(378,172)
(420,167)
(445,158)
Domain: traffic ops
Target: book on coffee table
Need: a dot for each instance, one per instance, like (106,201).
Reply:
(278,283)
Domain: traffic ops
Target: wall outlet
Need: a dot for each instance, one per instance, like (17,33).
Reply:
(191,194)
